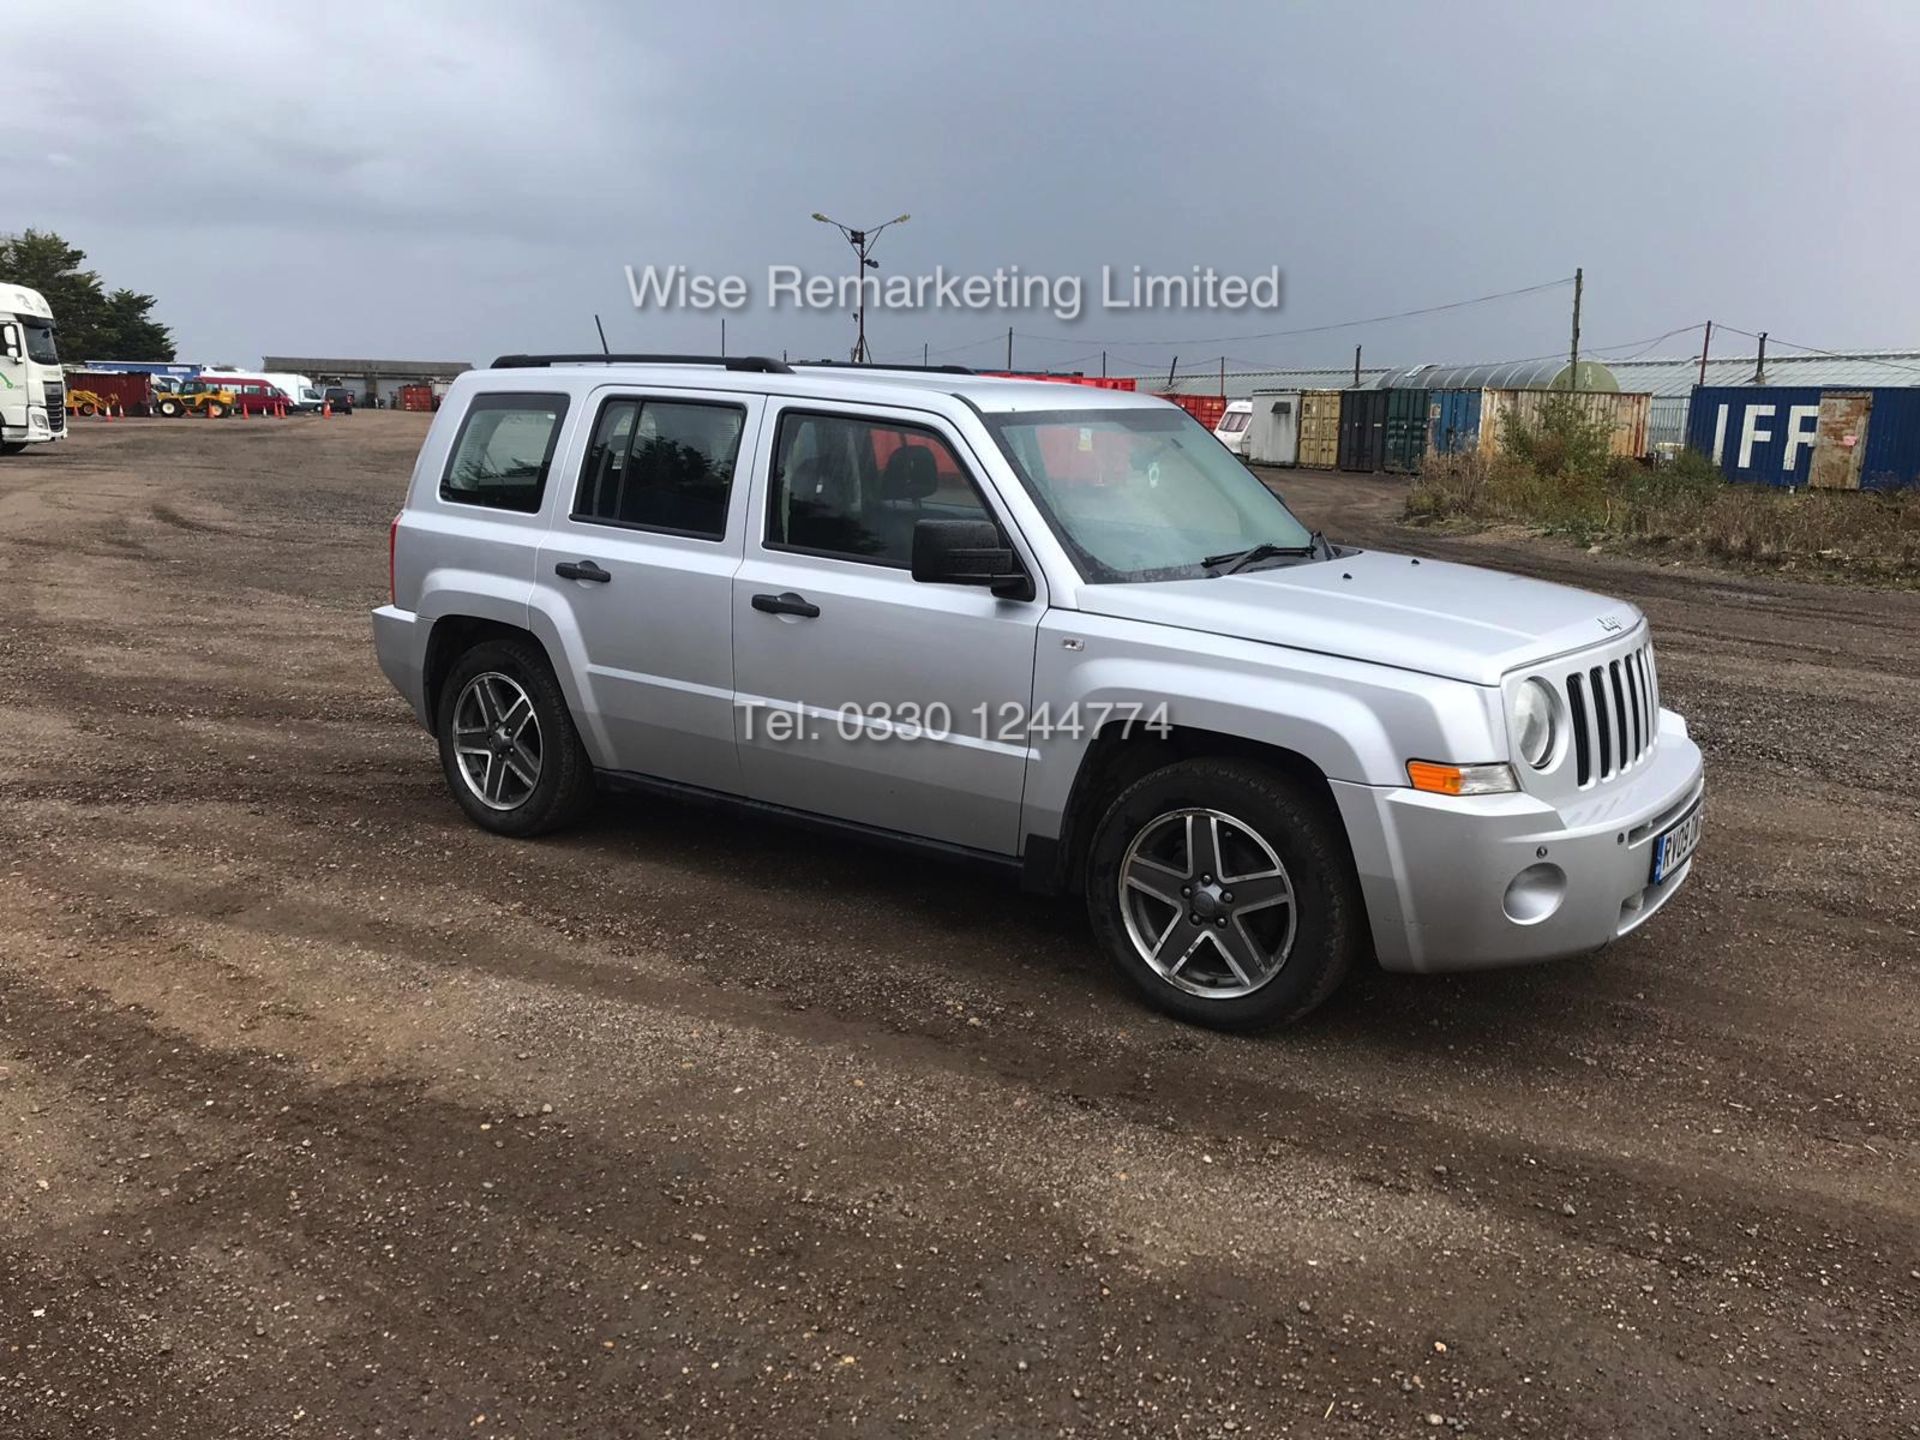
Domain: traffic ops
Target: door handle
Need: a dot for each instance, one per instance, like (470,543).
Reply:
(583,570)
(786,603)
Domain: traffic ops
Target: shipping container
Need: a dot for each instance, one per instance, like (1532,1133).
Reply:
(1406,430)
(416,397)
(1363,429)
(1274,436)
(1207,409)
(1453,421)
(130,394)
(1625,416)
(1666,424)
(1836,439)
(1320,429)
(1095,382)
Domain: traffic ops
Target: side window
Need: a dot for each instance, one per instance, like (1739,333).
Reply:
(503,451)
(854,488)
(661,465)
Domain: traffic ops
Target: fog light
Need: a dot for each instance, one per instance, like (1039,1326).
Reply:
(1535,893)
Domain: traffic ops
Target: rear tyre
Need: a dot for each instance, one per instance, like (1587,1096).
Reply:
(508,745)
(169,408)
(1224,890)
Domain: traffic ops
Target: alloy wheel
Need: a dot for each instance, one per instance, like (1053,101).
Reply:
(1207,902)
(496,740)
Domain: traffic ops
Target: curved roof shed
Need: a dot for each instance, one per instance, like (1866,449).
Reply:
(1555,374)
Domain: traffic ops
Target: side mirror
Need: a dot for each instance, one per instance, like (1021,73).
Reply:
(968,552)
(10,342)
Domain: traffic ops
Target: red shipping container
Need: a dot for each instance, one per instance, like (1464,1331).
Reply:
(416,397)
(1207,409)
(131,394)
(1096,382)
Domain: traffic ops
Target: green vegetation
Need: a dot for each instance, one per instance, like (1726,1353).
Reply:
(1557,477)
(91,322)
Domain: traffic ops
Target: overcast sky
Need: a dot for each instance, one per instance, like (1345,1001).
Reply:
(450,182)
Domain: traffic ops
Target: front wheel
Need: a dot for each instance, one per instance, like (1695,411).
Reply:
(169,408)
(507,741)
(12,447)
(1224,890)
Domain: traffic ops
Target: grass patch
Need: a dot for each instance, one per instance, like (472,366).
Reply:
(1558,478)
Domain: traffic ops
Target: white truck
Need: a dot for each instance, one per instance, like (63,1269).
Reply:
(33,391)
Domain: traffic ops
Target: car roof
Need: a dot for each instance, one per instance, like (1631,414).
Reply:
(991,394)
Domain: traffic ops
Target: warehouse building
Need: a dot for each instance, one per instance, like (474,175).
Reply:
(369,378)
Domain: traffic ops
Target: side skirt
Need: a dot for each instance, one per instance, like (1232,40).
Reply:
(628,782)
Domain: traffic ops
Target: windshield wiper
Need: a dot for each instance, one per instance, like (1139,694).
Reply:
(1266,550)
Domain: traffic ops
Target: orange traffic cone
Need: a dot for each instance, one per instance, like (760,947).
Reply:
(326,409)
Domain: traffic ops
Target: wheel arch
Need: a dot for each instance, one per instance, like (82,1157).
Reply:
(1122,753)
(450,638)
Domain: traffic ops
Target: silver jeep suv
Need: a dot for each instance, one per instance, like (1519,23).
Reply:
(1057,628)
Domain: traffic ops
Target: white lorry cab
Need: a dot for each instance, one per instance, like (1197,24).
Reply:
(33,391)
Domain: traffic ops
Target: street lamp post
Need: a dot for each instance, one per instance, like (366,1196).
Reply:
(862,242)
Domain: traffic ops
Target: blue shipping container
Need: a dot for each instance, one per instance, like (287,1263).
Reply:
(1840,438)
(1453,421)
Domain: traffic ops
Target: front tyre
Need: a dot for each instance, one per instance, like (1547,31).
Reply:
(1224,890)
(507,741)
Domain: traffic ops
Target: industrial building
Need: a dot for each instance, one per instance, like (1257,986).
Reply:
(370,378)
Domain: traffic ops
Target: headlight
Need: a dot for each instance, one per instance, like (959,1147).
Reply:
(1536,722)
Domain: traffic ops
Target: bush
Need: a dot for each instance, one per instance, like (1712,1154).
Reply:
(1558,477)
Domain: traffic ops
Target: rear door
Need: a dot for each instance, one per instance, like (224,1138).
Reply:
(864,694)
(637,571)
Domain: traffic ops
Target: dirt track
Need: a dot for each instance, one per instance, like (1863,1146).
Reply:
(323,1113)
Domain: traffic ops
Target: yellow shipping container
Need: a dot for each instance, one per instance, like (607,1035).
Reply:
(1320,429)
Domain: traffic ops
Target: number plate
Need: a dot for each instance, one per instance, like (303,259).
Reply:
(1676,846)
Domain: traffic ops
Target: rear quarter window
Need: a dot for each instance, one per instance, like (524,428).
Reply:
(504,451)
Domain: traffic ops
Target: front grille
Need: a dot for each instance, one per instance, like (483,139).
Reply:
(1615,709)
(56,406)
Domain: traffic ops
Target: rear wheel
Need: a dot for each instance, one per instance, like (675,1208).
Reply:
(168,408)
(1224,891)
(507,741)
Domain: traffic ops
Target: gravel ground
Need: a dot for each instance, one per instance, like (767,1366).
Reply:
(323,1113)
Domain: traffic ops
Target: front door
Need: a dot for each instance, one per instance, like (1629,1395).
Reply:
(1842,440)
(639,564)
(863,694)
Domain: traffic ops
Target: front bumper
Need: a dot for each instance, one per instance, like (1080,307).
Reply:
(1436,870)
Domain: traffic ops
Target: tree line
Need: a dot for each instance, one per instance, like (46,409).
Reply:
(91,322)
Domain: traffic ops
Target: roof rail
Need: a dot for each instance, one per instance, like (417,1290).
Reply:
(870,365)
(759,364)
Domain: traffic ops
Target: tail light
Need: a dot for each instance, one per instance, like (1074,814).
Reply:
(393,544)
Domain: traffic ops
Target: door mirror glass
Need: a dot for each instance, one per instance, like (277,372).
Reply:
(968,552)
(10,341)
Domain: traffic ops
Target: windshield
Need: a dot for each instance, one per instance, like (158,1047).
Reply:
(40,348)
(1141,494)
(1235,420)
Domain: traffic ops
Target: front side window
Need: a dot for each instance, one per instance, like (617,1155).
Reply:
(505,447)
(661,465)
(853,488)
(40,347)
(1143,494)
